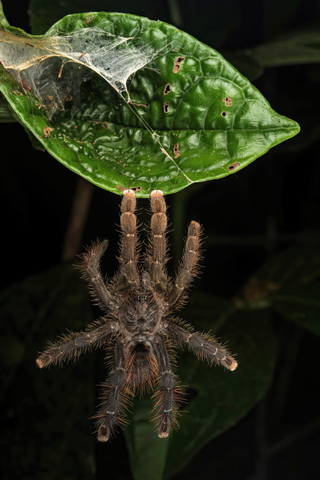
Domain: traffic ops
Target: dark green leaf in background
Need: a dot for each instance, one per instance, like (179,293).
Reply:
(293,49)
(288,283)
(51,406)
(202,136)
(301,304)
(297,265)
(219,398)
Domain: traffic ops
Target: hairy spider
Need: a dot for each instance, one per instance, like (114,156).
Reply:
(136,329)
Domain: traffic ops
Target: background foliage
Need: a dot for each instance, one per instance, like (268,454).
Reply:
(261,264)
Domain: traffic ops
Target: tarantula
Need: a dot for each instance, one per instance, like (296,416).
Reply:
(136,329)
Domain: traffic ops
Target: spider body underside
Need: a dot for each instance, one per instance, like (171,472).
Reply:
(136,329)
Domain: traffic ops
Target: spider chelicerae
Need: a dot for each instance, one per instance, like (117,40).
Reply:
(137,328)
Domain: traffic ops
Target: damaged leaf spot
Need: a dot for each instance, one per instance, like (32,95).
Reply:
(135,189)
(105,125)
(257,292)
(176,151)
(166,107)
(50,98)
(233,166)
(223,114)
(16,92)
(139,104)
(47,131)
(227,101)
(87,20)
(26,85)
(167,89)
(177,64)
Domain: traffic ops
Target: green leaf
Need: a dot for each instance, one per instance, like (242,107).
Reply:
(293,49)
(300,304)
(287,282)
(220,398)
(6,113)
(297,265)
(103,140)
(3,21)
(50,407)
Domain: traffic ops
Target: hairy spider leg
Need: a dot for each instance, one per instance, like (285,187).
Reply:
(72,345)
(188,268)
(113,396)
(203,345)
(168,395)
(90,268)
(157,252)
(128,275)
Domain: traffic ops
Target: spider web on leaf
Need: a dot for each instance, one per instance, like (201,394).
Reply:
(39,65)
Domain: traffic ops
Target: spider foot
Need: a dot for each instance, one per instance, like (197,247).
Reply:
(103,434)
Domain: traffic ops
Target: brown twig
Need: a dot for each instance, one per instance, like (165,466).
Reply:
(79,213)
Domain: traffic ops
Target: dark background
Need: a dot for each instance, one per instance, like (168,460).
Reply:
(265,208)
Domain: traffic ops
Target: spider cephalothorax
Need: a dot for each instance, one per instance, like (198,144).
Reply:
(136,329)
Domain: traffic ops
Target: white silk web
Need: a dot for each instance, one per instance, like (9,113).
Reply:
(39,65)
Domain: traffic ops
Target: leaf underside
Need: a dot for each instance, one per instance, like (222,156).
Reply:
(193,133)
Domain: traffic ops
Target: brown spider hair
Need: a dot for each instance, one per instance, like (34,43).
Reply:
(137,329)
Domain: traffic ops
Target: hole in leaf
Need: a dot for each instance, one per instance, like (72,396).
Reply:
(223,114)
(233,166)
(227,101)
(47,130)
(136,189)
(176,151)
(167,89)
(177,64)
(166,107)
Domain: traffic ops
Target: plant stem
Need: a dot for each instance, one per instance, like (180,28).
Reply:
(79,213)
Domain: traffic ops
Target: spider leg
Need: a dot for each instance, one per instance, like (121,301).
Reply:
(90,268)
(168,394)
(113,396)
(203,345)
(156,257)
(189,266)
(72,345)
(128,275)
